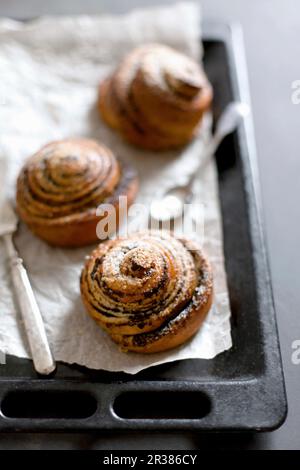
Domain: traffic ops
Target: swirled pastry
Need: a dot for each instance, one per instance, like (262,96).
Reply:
(150,292)
(156,98)
(60,187)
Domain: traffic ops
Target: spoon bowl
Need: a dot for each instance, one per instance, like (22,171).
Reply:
(169,206)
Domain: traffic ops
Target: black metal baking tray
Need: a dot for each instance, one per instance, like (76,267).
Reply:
(241,389)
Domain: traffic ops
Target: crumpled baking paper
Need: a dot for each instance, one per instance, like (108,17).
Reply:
(50,69)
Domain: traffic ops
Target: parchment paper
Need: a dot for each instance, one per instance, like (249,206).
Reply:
(50,69)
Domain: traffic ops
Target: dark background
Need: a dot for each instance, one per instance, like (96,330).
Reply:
(272,38)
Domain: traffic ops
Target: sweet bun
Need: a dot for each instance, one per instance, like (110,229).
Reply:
(156,98)
(61,186)
(150,292)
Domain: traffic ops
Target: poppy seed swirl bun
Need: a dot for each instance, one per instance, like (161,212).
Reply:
(156,98)
(150,292)
(60,187)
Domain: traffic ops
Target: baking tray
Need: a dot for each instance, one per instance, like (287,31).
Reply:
(241,389)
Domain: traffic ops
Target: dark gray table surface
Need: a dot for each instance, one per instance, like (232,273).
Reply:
(272,36)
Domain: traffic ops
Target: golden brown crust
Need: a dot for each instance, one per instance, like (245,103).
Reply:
(156,98)
(150,292)
(108,106)
(61,186)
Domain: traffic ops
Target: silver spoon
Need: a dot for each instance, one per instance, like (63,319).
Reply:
(170,204)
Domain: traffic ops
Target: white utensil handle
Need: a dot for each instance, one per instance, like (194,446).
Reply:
(35,330)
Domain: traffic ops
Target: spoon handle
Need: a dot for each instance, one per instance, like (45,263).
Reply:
(209,153)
